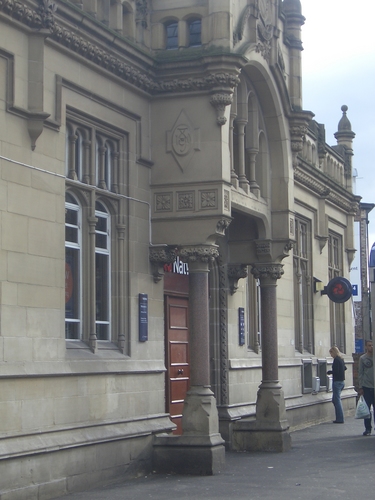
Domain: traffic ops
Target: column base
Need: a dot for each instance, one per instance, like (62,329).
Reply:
(200,450)
(196,455)
(270,430)
(248,436)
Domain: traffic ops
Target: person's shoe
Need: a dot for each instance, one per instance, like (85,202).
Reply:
(337,422)
(366,433)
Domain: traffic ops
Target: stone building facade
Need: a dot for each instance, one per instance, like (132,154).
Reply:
(170,215)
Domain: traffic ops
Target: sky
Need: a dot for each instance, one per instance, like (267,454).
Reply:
(338,67)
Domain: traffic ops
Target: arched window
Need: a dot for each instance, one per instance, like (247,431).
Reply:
(73,215)
(172,35)
(95,282)
(195,32)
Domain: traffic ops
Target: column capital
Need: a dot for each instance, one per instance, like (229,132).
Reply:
(267,273)
(198,256)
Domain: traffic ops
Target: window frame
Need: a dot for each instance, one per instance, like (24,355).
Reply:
(112,199)
(302,286)
(169,38)
(69,281)
(190,23)
(336,310)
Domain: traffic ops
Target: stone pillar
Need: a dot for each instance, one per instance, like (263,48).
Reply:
(269,432)
(244,183)
(200,449)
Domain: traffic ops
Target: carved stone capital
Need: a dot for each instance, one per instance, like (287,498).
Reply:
(220,101)
(267,272)
(235,273)
(198,257)
(160,255)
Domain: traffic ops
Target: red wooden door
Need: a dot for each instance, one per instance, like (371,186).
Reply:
(177,357)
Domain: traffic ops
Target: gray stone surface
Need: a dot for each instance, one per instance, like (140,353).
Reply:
(326,461)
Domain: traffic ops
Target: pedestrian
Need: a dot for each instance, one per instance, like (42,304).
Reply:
(366,381)
(338,372)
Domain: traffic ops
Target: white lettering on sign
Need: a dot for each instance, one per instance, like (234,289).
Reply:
(177,267)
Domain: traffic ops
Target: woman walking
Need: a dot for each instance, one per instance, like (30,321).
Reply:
(338,372)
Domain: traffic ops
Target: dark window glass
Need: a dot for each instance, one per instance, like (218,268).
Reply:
(72,293)
(172,35)
(195,28)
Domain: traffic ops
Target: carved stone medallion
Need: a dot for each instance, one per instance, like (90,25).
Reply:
(183,140)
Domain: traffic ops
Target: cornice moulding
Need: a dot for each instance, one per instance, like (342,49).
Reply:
(319,187)
(77,32)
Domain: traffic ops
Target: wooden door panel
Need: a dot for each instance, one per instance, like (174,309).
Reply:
(178,316)
(178,390)
(178,353)
(177,356)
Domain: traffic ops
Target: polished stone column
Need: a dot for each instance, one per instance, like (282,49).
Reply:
(269,432)
(200,449)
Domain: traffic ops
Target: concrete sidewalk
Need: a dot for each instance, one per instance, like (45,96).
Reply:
(327,462)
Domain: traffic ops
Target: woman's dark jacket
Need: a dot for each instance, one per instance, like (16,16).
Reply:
(338,370)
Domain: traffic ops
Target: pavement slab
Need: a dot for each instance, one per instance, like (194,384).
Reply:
(326,462)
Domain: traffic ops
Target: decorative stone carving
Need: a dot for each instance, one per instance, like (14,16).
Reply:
(141,12)
(263,247)
(211,81)
(265,32)
(238,34)
(318,186)
(223,310)
(208,199)
(264,9)
(235,273)
(158,256)
(220,101)
(183,140)
(226,200)
(271,271)
(46,11)
(185,200)
(203,253)
(298,124)
(264,49)
(43,18)
(163,202)
(222,226)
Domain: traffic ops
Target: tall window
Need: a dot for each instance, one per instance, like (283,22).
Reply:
(195,30)
(303,301)
(72,268)
(94,243)
(102,273)
(336,311)
(172,35)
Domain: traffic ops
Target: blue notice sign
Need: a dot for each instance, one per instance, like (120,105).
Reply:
(359,346)
(143,317)
(355,290)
